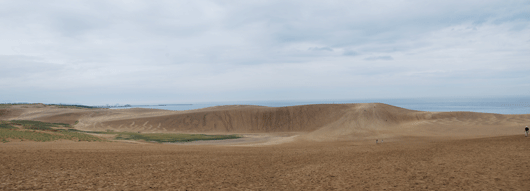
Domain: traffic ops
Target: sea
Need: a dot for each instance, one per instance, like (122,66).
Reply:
(499,105)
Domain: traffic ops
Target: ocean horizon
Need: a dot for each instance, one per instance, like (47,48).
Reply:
(499,105)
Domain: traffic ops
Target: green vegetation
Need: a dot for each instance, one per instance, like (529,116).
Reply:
(45,131)
(171,138)
(44,136)
(6,126)
(27,135)
(94,132)
(37,125)
(161,137)
(5,106)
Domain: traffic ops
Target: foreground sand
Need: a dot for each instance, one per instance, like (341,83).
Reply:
(500,163)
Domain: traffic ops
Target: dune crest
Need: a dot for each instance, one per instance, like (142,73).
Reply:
(240,120)
(319,122)
(379,121)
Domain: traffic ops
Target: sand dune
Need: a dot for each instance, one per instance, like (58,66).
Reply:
(238,120)
(372,121)
(6,114)
(320,122)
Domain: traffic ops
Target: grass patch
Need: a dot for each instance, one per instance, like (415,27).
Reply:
(171,138)
(160,137)
(9,131)
(7,126)
(27,135)
(5,106)
(94,132)
(45,136)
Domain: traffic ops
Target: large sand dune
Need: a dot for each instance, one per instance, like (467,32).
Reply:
(320,122)
(239,120)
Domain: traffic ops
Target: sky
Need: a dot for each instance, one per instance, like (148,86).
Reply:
(146,52)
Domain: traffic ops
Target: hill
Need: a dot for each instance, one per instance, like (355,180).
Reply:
(320,122)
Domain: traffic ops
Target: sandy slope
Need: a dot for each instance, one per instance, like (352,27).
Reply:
(376,121)
(321,122)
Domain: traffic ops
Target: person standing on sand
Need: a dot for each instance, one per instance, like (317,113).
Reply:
(526,131)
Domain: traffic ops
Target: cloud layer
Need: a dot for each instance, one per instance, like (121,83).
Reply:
(98,52)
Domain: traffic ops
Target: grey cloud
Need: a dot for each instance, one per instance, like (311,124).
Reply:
(405,23)
(20,66)
(379,58)
(320,49)
(350,53)
(213,46)
(75,24)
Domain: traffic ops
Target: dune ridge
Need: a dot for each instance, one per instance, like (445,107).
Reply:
(240,120)
(319,122)
(377,121)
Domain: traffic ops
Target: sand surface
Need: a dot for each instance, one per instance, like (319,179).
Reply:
(499,163)
(313,147)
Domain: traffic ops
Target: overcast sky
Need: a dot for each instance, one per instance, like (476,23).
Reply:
(138,52)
